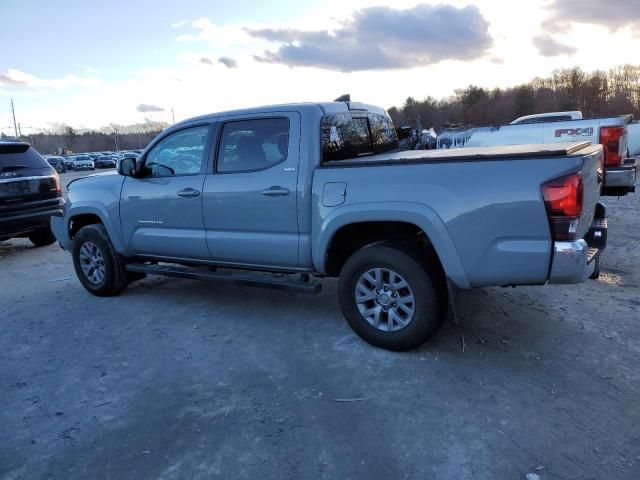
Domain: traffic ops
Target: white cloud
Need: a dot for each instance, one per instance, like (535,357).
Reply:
(179,24)
(384,38)
(550,47)
(207,31)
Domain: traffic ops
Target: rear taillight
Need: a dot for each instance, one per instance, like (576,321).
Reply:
(610,138)
(57,180)
(563,200)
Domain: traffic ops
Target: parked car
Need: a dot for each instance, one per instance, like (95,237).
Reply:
(322,189)
(57,163)
(30,194)
(560,127)
(68,162)
(83,162)
(126,155)
(105,161)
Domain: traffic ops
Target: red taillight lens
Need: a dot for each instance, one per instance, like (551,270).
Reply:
(610,140)
(563,200)
(57,180)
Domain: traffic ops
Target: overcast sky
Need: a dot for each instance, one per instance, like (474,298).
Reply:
(89,64)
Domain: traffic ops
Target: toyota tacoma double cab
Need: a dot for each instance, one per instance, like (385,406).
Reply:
(322,190)
(30,194)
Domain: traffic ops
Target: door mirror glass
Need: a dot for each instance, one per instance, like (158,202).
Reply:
(127,167)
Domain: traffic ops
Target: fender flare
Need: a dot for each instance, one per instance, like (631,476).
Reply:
(416,214)
(99,210)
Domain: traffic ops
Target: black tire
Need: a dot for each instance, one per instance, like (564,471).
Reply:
(42,237)
(424,279)
(115,276)
(135,276)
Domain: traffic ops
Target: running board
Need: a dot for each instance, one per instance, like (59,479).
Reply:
(254,280)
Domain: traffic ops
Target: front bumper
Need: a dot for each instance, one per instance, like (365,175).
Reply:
(61,232)
(576,261)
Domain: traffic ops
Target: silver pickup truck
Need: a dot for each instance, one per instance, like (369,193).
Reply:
(613,133)
(322,190)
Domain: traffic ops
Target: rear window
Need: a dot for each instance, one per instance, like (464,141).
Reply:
(20,156)
(83,157)
(352,135)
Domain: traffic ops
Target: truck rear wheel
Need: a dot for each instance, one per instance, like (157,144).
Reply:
(389,297)
(98,266)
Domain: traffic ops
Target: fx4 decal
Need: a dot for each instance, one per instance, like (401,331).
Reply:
(574,132)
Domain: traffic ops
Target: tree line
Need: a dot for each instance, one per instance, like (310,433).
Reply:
(598,93)
(64,138)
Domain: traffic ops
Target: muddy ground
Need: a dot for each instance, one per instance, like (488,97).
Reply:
(179,379)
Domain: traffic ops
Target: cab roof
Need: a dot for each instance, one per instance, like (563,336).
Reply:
(321,108)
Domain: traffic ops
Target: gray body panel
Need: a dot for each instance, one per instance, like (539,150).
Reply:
(245,226)
(481,209)
(486,219)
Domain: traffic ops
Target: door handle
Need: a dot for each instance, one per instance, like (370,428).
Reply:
(276,192)
(189,193)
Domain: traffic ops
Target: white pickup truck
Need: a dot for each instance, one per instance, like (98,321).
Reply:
(634,139)
(560,127)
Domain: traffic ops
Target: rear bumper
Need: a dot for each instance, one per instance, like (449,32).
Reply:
(621,180)
(576,261)
(571,263)
(27,222)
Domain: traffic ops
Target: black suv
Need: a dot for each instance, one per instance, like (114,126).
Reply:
(30,194)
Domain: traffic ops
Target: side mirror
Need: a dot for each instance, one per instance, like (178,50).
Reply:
(127,167)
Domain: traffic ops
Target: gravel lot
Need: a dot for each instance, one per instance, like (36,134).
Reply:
(179,379)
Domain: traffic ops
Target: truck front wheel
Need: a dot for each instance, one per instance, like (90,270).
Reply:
(389,297)
(98,266)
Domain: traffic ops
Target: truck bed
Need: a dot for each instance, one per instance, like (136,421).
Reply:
(471,154)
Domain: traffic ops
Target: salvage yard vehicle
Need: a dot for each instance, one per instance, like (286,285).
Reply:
(57,163)
(560,127)
(83,162)
(104,161)
(30,194)
(323,190)
(68,161)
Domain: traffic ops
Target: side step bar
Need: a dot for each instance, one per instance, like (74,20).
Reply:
(255,280)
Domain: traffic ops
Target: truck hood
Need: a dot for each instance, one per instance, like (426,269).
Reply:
(91,178)
(96,181)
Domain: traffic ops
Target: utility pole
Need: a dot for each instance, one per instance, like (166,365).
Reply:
(15,126)
(173,117)
(115,137)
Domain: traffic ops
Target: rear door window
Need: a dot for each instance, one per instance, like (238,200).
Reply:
(252,145)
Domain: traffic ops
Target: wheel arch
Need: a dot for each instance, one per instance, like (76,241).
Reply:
(91,213)
(406,215)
